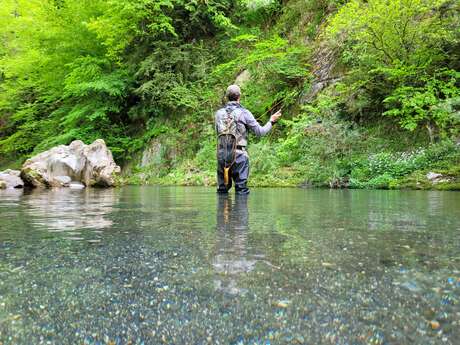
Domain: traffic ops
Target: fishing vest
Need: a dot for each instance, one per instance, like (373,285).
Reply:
(227,122)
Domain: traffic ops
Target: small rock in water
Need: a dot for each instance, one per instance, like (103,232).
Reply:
(429,313)
(76,185)
(10,179)
(447,299)
(411,286)
(299,339)
(434,324)
(282,303)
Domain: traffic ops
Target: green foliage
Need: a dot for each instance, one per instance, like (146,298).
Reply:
(436,100)
(382,169)
(318,133)
(263,158)
(398,51)
(385,32)
(277,70)
(302,19)
(118,26)
(259,12)
(89,69)
(204,158)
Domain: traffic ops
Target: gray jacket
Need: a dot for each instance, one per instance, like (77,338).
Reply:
(245,120)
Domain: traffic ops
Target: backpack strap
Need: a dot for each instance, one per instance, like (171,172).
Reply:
(231,110)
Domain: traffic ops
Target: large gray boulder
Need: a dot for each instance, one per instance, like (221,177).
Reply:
(10,179)
(91,165)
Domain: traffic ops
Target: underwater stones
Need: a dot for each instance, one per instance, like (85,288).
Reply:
(91,165)
(10,179)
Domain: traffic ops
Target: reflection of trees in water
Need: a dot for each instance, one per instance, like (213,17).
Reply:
(66,209)
(233,256)
(9,199)
(11,215)
(174,208)
(355,230)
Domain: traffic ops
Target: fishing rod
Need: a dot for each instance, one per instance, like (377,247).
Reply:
(270,110)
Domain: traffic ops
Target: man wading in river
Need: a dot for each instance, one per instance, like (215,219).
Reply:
(232,124)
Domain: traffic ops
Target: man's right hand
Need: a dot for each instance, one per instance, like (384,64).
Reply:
(275,116)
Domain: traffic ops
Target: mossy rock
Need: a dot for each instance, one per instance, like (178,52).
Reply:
(33,178)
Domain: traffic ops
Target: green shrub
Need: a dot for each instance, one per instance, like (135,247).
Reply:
(262,156)
(396,53)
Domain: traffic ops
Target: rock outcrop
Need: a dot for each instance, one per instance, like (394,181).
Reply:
(10,179)
(243,78)
(324,63)
(63,166)
(160,150)
(435,178)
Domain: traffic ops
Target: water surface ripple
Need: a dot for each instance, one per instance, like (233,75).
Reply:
(176,265)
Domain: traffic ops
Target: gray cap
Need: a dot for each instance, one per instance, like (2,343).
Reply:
(233,91)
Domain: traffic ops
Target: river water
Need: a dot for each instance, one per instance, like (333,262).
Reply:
(176,265)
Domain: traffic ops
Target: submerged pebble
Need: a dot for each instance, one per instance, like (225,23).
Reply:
(434,324)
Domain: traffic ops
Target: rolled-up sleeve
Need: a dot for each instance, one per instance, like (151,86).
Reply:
(249,120)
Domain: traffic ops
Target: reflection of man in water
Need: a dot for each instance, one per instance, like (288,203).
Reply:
(232,257)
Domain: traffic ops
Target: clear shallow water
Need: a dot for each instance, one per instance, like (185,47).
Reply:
(148,265)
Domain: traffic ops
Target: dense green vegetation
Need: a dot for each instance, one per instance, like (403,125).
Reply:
(370,90)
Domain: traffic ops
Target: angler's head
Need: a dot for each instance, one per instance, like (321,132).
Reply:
(233,93)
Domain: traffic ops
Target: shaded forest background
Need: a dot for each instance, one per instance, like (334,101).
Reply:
(369,89)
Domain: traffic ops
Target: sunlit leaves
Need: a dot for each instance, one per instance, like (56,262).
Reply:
(390,31)
(123,21)
(433,100)
(396,52)
(91,68)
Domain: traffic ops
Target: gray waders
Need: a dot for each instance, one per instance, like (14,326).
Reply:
(238,174)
